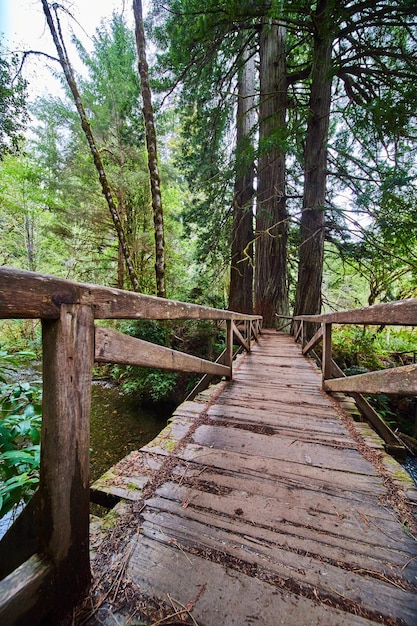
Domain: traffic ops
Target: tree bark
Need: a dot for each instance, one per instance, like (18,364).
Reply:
(151,146)
(271,286)
(85,124)
(312,229)
(241,270)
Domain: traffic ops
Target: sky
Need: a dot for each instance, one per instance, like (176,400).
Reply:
(23,27)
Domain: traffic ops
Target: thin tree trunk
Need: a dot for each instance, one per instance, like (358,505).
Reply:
(69,75)
(151,145)
(241,270)
(310,270)
(271,286)
(30,241)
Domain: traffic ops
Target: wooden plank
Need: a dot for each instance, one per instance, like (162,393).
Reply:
(398,380)
(401,312)
(290,394)
(68,350)
(266,498)
(327,513)
(324,478)
(270,447)
(219,595)
(355,554)
(25,595)
(292,432)
(114,347)
(21,540)
(272,561)
(31,295)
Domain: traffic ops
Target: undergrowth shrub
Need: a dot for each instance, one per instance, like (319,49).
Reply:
(359,350)
(201,338)
(20,425)
(372,347)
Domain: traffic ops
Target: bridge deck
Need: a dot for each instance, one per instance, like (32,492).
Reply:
(266,511)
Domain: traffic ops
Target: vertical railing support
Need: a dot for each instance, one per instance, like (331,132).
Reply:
(327,351)
(68,353)
(229,346)
(248,325)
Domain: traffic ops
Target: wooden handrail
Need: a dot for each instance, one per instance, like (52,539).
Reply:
(398,313)
(58,514)
(114,347)
(29,295)
(398,381)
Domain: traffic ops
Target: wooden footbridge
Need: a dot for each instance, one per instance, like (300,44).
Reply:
(262,502)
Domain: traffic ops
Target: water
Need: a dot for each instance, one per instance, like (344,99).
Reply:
(410,464)
(118,425)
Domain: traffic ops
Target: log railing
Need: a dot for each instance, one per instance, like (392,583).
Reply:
(398,380)
(44,557)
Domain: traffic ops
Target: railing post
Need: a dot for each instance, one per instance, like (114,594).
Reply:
(228,357)
(327,351)
(248,325)
(68,353)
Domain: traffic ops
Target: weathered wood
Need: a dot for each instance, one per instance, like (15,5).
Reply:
(31,295)
(314,341)
(205,381)
(268,500)
(399,313)
(394,445)
(244,342)
(327,351)
(299,332)
(114,347)
(276,561)
(232,597)
(228,358)
(249,333)
(68,352)
(25,595)
(21,540)
(398,380)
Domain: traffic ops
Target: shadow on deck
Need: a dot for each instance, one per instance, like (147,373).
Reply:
(261,503)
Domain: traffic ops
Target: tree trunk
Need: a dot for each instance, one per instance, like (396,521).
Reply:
(151,146)
(271,287)
(310,270)
(241,270)
(85,124)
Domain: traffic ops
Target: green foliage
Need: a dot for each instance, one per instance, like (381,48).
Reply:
(20,424)
(355,347)
(13,112)
(149,383)
(198,337)
(359,350)
(367,348)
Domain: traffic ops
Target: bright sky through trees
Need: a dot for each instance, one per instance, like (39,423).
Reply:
(23,27)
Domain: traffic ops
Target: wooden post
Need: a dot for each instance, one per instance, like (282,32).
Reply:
(327,365)
(229,346)
(68,353)
(248,325)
